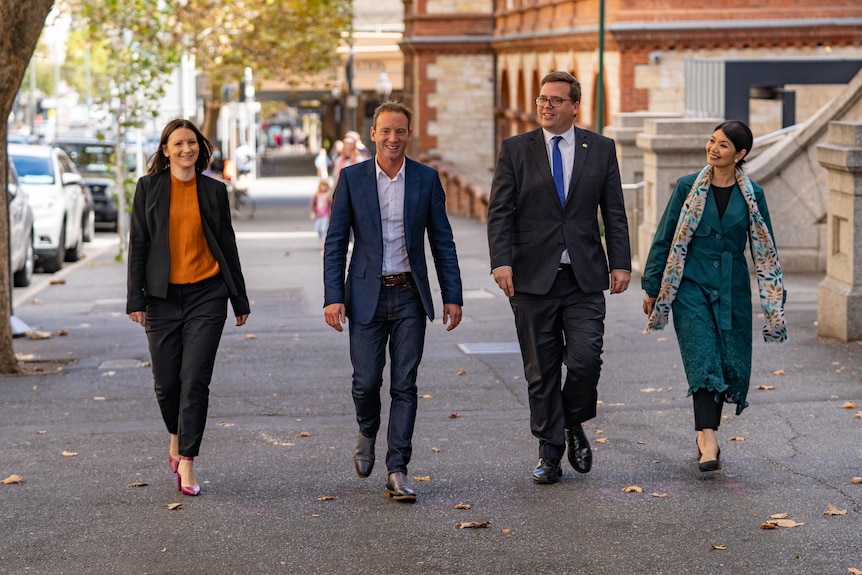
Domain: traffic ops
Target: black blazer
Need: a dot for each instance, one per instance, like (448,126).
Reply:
(527,225)
(149,247)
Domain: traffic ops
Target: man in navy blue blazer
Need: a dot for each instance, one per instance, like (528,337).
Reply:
(389,204)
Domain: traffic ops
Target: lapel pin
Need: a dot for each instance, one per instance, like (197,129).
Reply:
(584,144)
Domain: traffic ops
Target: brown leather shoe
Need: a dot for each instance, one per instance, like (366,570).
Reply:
(363,455)
(398,488)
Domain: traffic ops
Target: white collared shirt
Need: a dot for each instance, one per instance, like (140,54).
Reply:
(390,193)
(567,150)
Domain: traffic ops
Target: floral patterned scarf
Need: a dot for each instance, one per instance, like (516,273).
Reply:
(763,252)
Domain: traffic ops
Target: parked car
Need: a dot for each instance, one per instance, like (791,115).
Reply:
(95,161)
(58,198)
(21,255)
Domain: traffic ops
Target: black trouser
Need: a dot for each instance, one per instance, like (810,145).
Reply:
(707,409)
(184,331)
(564,326)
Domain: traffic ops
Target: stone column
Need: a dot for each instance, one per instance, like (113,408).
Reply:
(624,130)
(839,295)
(671,148)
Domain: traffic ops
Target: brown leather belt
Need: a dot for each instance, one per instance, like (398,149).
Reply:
(397,279)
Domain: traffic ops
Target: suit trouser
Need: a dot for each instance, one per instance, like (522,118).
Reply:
(399,319)
(183,332)
(566,325)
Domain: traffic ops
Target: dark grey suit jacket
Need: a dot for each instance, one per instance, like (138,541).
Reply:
(149,244)
(527,225)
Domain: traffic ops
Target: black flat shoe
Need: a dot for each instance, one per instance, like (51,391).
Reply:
(547,471)
(713,465)
(580,454)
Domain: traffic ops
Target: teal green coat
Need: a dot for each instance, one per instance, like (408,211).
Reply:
(712,312)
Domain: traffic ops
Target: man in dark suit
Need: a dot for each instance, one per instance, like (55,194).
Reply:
(389,204)
(547,257)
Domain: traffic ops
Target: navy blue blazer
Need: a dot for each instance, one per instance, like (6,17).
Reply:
(355,205)
(149,243)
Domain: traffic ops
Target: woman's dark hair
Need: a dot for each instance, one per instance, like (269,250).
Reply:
(739,135)
(159,162)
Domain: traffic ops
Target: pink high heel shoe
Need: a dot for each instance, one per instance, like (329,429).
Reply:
(194,489)
(175,463)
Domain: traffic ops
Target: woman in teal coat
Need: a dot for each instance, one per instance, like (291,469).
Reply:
(697,268)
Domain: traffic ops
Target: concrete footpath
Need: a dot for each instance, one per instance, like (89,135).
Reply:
(279,492)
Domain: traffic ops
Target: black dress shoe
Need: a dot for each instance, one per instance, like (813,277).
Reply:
(547,471)
(580,454)
(398,489)
(363,455)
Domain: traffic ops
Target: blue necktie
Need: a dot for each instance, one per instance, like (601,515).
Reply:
(559,180)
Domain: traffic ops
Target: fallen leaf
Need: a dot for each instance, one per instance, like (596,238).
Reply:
(69,453)
(138,484)
(509,531)
(463,506)
(651,389)
(858,414)
(173,506)
(98,398)
(250,336)
(780,516)
(717,547)
(832,510)
(849,405)
(109,373)
(62,332)
(473,525)
(461,371)
(36,301)
(783,523)
(662,339)
(737,438)
(768,525)
(453,415)
(641,442)
(856,480)
(41,432)
(422,478)
(426,396)
(779,372)
(633,489)
(602,440)
(326,498)
(436,449)
(225,424)
(765,387)
(304,434)
(36,334)
(854,571)
(659,495)
(164,549)
(598,432)
(13,479)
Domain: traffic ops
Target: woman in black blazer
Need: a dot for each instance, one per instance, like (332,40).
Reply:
(179,284)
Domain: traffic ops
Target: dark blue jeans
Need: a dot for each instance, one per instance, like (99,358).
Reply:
(399,321)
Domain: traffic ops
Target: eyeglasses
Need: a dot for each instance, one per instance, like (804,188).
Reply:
(554,101)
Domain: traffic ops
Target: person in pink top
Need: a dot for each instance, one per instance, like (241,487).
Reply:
(321,204)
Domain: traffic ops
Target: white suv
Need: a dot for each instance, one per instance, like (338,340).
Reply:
(58,199)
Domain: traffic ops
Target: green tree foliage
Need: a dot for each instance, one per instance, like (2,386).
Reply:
(142,52)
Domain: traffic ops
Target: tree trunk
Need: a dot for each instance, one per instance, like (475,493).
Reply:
(210,125)
(20,26)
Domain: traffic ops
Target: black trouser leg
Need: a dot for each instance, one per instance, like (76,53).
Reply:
(707,410)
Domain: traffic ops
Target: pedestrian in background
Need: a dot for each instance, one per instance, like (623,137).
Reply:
(321,205)
(352,152)
(547,257)
(697,268)
(183,268)
(322,163)
(390,204)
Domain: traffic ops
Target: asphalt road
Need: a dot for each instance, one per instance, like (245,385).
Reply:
(279,492)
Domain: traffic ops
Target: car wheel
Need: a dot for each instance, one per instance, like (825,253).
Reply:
(74,253)
(53,262)
(89,226)
(24,276)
